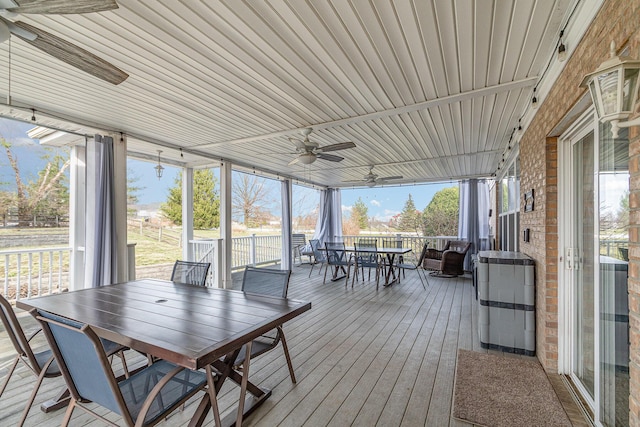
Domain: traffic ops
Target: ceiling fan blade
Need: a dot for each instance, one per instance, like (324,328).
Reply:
(299,144)
(330,157)
(338,146)
(386,178)
(293,162)
(14,29)
(73,55)
(58,7)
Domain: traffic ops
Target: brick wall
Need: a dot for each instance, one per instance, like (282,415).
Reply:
(617,20)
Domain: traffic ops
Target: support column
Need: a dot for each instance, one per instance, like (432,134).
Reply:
(120,202)
(77,216)
(187,214)
(225,222)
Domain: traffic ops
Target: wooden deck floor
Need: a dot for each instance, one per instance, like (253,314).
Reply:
(362,357)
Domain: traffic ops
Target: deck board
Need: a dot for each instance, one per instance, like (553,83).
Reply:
(362,357)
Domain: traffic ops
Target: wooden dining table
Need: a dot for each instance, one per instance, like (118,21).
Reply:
(191,326)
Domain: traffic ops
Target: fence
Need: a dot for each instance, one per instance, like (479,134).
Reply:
(34,220)
(154,231)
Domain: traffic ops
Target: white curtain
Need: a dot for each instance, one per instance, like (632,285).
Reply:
(100,246)
(329,225)
(286,225)
(473,219)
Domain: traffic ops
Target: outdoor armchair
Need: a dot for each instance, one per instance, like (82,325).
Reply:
(190,273)
(144,399)
(450,261)
(274,283)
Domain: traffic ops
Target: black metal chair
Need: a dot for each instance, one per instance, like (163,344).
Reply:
(190,273)
(274,283)
(42,363)
(366,256)
(416,266)
(144,399)
(338,258)
(319,256)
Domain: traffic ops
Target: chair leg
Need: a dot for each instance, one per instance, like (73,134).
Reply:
(25,412)
(67,415)
(286,355)
(13,367)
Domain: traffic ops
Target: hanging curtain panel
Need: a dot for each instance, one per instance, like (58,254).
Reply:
(473,218)
(286,225)
(100,246)
(329,225)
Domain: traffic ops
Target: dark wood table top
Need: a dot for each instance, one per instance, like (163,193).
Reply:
(190,326)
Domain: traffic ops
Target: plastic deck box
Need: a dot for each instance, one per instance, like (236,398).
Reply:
(506,296)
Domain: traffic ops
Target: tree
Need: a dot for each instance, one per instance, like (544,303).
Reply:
(132,188)
(409,217)
(206,201)
(359,214)
(48,194)
(440,217)
(251,202)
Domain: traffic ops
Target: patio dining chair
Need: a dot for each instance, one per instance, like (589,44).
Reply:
(338,258)
(366,256)
(41,363)
(274,283)
(144,399)
(319,255)
(190,273)
(416,266)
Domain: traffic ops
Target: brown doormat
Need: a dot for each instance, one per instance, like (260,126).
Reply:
(493,390)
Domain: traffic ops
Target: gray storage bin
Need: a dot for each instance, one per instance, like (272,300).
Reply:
(506,295)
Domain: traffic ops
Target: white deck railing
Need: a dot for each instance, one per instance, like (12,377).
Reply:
(35,272)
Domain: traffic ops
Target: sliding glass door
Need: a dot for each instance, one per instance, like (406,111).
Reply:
(594,229)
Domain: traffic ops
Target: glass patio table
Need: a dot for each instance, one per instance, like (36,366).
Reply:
(191,326)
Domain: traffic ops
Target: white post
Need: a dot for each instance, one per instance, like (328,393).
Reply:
(77,216)
(252,250)
(187,213)
(120,203)
(217,266)
(131,261)
(225,222)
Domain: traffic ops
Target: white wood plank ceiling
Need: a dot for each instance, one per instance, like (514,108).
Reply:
(430,90)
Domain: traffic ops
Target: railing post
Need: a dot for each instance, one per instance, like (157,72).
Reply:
(217,264)
(252,250)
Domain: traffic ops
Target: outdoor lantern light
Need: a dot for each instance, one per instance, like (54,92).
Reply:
(614,90)
(159,169)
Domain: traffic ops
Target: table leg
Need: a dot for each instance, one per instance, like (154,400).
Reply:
(58,402)
(246,405)
(390,271)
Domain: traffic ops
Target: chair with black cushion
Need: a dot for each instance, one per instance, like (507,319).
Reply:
(338,258)
(319,255)
(273,283)
(41,363)
(366,256)
(417,265)
(144,399)
(448,262)
(190,273)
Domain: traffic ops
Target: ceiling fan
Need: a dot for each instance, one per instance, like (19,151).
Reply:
(371,179)
(309,151)
(54,45)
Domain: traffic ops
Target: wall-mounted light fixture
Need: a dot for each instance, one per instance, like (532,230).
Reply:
(614,90)
(159,169)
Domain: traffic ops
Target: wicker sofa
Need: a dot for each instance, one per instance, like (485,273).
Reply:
(450,260)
